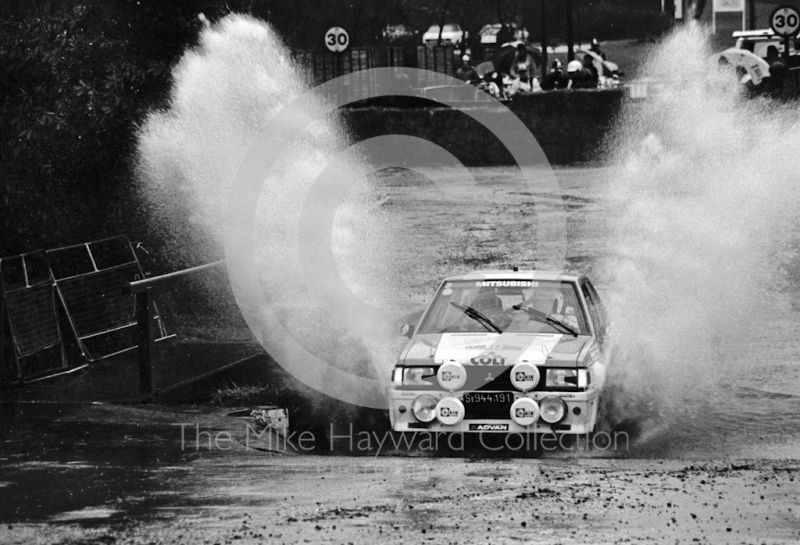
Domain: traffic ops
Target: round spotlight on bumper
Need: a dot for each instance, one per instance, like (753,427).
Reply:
(424,408)
(524,376)
(451,376)
(553,409)
(450,411)
(524,411)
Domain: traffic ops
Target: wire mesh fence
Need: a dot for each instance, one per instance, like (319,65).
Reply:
(29,307)
(91,279)
(321,66)
(86,289)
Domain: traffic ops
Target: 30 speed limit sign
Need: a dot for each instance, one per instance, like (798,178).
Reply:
(337,39)
(785,21)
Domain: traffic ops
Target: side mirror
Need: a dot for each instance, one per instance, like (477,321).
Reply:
(407,330)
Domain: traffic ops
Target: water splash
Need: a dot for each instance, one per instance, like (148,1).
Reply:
(702,196)
(225,92)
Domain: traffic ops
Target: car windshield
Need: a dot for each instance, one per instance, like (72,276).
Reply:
(495,302)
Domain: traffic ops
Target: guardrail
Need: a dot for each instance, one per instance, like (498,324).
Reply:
(144,290)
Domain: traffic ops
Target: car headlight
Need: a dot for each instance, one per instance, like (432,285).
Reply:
(424,408)
(413,376)
(417,375)
(566,378)
(552,409)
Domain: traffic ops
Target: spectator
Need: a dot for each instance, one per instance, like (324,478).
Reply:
(772,55)
(588,63)
(556,79)
(522,72)
(466,72)
(577,76)
(595,47)
(522,66)
(773,85)
(504,35)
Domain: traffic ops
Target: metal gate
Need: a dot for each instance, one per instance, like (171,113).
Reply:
(29,308)
(90,279)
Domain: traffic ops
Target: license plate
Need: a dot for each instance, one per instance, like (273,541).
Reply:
(475,398)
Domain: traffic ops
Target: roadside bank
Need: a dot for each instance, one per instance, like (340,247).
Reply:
(572,127)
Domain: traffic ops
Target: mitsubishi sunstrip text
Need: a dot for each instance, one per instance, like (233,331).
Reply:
(504,351)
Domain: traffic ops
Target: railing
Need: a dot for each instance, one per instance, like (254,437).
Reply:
(321,66)
(146,325)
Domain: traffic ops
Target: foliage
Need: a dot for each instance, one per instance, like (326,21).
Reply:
(75,81)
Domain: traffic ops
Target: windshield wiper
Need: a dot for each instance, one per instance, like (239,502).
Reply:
(547,319)
(477,316)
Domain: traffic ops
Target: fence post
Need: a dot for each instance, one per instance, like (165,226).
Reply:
(145,316)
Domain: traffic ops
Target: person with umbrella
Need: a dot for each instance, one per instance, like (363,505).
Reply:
(523,66)
(595,48)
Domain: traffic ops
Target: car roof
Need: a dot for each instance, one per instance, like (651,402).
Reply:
(447,27)
(763,33)
(505,274)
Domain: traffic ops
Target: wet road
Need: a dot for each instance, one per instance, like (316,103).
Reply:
(96,474)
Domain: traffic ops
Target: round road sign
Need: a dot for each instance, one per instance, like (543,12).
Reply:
(785,21)
(337,39)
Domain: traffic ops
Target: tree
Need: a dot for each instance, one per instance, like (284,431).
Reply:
(77,77)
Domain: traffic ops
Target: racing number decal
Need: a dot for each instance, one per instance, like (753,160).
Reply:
(488,360)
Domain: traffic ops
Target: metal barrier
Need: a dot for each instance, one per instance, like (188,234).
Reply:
(103,296)
(89,279)
(144,292)
(323,65)
(28,305)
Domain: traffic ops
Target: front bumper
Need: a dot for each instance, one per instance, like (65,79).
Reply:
(580,417)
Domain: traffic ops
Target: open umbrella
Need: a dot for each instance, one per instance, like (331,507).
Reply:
(505,58)
(604,68)
(484,68)
(757,68)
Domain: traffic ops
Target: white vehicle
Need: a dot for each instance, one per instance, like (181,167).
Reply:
(757,41)
(451,34)
(489,33)
(506,352)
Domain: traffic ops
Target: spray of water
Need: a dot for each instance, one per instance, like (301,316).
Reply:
(225,92)
(702,197)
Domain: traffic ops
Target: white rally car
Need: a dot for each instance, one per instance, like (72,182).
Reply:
(503,351)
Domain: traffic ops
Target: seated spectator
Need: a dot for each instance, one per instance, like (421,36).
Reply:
(588,63)
(577,76)
(466,72)
(556,79)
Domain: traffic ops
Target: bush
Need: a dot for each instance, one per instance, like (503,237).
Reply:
(76,81)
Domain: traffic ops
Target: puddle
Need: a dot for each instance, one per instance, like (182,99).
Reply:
(90,513)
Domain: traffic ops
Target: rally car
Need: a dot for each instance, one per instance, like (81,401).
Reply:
(505,351)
